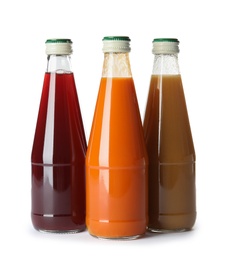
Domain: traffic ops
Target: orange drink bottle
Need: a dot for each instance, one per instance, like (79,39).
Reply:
(171,177)
(116,159)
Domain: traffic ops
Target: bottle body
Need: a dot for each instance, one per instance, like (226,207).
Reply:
(171,178)
(58,155)
(116,160)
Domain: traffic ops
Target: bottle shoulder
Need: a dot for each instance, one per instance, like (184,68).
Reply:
(116,137)
(166,123)
(59,134)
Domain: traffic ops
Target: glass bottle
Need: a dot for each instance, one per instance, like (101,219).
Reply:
(116,160)
(171,178)
(59,148)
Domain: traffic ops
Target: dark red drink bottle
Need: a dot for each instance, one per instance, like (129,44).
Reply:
(59,148)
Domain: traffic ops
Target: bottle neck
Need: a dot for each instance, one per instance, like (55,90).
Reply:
(116,65)
(166,64)
(59,64)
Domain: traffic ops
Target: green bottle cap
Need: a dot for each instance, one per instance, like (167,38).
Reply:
(58,41)
(165,46)
(165,40)
(116,44)
(58,46)
(116,38)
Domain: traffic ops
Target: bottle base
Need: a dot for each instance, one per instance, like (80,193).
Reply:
(60,231)
(171,223)
(56,224)
(164,231)
(126,238)
(116,230)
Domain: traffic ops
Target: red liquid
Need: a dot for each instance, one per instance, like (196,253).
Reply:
(58,158)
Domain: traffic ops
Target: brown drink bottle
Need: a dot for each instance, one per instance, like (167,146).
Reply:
(171,180)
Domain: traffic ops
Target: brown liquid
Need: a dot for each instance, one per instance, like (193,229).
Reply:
(171,156)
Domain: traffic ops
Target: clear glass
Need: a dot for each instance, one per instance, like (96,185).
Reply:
(171,178)
(116,65)
(59,64)
(166,64)
(116,161)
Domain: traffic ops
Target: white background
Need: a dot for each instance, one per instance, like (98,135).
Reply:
(201,28)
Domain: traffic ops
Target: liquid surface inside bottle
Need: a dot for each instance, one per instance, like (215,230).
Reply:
(116,164)
(58,158)
(171,154)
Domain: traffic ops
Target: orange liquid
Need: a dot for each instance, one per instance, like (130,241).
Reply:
(116,164)
(171,156)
